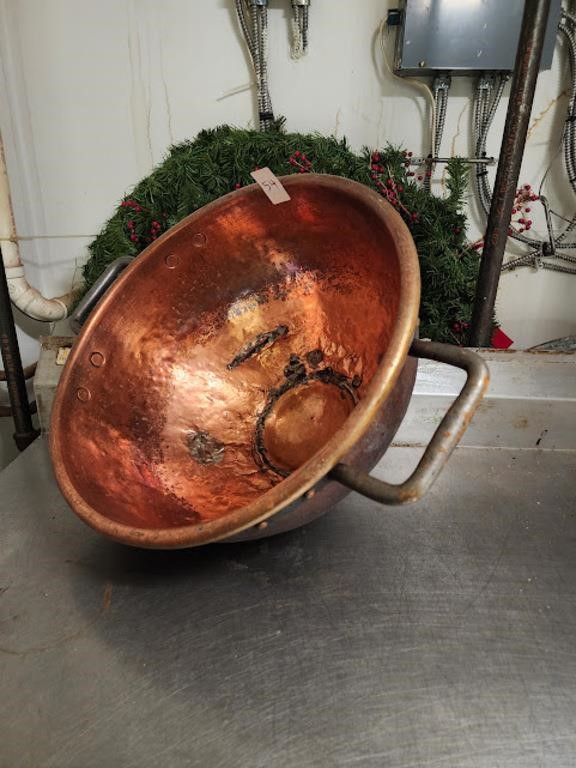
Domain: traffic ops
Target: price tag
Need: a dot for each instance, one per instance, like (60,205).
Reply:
(270,185)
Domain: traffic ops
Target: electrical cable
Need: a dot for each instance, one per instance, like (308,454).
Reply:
(241,13)
(565,143)
(570,126)
(253,21)
(299,25)
(483,117)
(485,111)
(568,27)
(411,81)
(305,25)
(441,87)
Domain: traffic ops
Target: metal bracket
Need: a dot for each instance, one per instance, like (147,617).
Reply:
(471,160)
(441,83)
(486,83)
(551,243)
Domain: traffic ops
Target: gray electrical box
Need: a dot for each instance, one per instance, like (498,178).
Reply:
(465,36)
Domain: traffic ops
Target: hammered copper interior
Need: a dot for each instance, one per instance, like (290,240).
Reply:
(227,355)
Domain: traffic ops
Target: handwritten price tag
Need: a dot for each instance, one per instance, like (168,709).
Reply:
(270,185)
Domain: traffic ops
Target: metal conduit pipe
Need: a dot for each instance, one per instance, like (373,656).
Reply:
(483,118)
(568,27)
(253,19)
(570,127)
(24,431)
(299,24)
(441,88)
(267,114)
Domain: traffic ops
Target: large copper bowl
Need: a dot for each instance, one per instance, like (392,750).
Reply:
(236,362)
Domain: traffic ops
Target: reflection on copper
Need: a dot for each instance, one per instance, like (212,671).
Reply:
(300,300)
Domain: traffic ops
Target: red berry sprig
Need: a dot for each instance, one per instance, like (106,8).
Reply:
(155,230)
(131,204)
(156,227)
(131,230)
(389,189)
(301,161)
(524,194)
(460,329)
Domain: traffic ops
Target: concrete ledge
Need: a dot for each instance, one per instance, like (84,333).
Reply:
(531,402)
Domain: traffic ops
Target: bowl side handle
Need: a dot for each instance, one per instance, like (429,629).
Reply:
(445,438)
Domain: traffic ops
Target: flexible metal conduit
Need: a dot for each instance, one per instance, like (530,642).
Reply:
(300,20)
(253,18)
(441,89)
(484,110)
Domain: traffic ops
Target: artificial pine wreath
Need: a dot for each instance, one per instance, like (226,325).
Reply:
(220,160)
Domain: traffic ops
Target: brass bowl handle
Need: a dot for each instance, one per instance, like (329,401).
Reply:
(444,440)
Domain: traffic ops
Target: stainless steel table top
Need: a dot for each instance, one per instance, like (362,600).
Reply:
(437,636)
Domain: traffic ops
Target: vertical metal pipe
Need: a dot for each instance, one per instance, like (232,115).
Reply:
(24,429)
(511,152)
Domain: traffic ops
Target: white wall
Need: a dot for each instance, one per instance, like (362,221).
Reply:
(93,93)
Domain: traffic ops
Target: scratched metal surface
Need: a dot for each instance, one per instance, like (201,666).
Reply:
(439,636)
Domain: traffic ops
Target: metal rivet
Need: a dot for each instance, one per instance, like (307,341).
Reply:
(199,239)
(97,359)
(83,394)
(171,260)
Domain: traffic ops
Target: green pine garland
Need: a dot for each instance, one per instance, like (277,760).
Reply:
(220,160)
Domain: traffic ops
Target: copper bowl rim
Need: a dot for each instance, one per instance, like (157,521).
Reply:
(309,474)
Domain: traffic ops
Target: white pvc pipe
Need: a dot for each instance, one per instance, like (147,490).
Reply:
(28,299)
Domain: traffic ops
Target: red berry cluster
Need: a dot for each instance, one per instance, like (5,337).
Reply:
(460,327)
(301,161)
(156,227)
(131,204)
(131,229)
(524,195)
(389,189)
(155,230)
